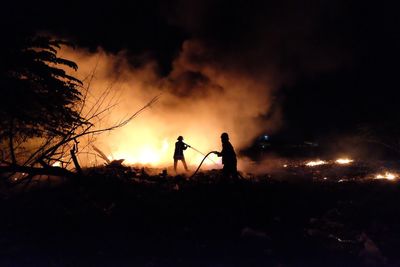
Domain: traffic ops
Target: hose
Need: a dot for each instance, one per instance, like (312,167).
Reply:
(199,152)
(198,168)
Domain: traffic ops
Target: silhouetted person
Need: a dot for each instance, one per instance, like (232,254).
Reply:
(228,158)
(178,154)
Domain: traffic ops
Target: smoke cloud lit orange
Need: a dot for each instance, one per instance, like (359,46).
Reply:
(198,100)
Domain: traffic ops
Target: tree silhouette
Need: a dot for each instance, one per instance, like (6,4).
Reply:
(42,104)
(38,96)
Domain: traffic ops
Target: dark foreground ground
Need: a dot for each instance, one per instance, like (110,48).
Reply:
(103,221)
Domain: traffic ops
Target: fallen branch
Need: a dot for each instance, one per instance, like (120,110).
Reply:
(57,171)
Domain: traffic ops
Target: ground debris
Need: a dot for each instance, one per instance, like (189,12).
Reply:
(141,214)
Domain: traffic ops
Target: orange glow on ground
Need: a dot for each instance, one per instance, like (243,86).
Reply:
(387,176)
(315,163)
(344,161)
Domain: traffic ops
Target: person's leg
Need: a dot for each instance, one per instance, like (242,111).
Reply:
(225,172)
(175,163)
(184,164)
(229,171)
(234,172)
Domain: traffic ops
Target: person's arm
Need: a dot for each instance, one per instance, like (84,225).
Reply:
(219,154)
(185,146)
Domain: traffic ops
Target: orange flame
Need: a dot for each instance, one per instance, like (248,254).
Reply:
(315,163)
(344,161)
(387,176)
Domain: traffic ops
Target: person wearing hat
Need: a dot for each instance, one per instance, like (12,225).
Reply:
(228,158)
(178,154)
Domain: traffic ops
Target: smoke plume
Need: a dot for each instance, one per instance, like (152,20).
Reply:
(198,100)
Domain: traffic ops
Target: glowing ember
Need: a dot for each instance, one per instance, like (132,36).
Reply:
(143,156)
(315,163)
(344,161)
(387,175)
(56,164)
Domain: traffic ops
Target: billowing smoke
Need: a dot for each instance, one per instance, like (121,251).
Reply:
(198,100)
(225,77)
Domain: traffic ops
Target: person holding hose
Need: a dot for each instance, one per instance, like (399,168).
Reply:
(228,158)
(178,154)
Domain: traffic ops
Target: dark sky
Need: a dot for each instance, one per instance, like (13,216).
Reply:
(336,61)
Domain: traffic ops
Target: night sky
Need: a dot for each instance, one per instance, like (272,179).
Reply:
(335,63)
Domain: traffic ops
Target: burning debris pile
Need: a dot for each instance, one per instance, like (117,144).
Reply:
(263,218)
(339,170)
